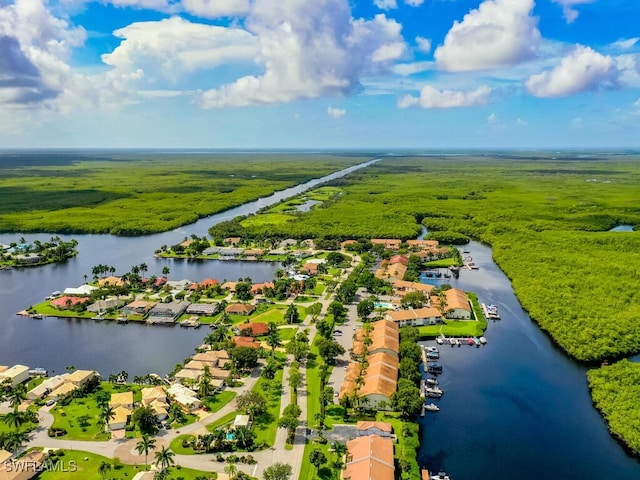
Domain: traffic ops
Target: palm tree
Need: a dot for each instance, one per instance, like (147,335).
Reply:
(204,389)
(166,271)
(17,395)
(231,470)
(14,440)
(161,475)
(164,458)
(144,446)
(106,415)
(273,338)
(103,469)
(15,418)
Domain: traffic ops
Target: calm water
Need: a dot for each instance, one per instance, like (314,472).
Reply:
(517,408)
(55,343)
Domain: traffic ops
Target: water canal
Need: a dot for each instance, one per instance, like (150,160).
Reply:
(517,408)
(54,343)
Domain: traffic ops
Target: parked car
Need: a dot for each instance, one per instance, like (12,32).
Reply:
(50,402)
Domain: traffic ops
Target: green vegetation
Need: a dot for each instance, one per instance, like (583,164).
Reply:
(34,254)
(265,424)
(219,400)
(136,194)
(459,328)
(615,390)
(552,240)
(85,466)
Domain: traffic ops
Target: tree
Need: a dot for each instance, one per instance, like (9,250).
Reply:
(164,458)
(166,271)
(414,300)
(295,376)
(231,470)
(289,422)
(338,311)
(161,475)
(329,349)
(365,307)
(335,259)
(145,445)
(298,348)
(243,291)
(252,403)
(273,338)
(244,437)
(292,315)
(15,418)
(244,357)
(317,458)
(17,395)
(145,418)
(407,398)
(103,469)
(314,310)
(205,389)
(107,413)
(347,291)
(277,471)
(324,328)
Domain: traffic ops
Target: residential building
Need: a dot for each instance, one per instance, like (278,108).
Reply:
(458,306)
(369,458)
(167,312)
(49,385)
(123,399)
(183,396)
(388,244)
(24,468)
(415,317)
(256,329)
(17,374)
(384,338)
(62,391)
(80,377)
(381,429)
(245,342)
(240,309)
(204,309)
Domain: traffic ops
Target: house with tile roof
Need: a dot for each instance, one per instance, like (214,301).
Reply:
(369,458)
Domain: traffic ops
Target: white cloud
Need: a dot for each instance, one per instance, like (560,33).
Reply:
(498,33)
(406,69)
(493,118)
(431,97)
(424,44)
(570,13)
(582,70)
(35,48)
(336,112)
(521,123)
(175,46)
(216,8)
(310,49)
(386,4)
(625,44)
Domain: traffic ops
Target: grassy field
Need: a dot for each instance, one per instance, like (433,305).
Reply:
(135,193)
(219,400)
(265,425)
(85,467)
(545,218)
(67,416)
(459,328)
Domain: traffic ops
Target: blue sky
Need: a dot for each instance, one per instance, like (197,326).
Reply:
(320,73)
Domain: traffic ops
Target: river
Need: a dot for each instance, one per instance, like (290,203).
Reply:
(55,343)
(517,408)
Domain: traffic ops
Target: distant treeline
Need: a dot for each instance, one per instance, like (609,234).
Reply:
(138,194)
(546,219)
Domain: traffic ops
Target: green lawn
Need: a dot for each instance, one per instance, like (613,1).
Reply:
(459,328)
(275,314)
(287,333)
(266,425)
(228,418)
(84,466)
(219,400)
(67,416)
(308,471)
(445,262)
(176,445)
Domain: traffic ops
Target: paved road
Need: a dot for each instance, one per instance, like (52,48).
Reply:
(124,449)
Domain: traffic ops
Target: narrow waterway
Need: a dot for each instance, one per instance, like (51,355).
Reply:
(54,343)
(516,408)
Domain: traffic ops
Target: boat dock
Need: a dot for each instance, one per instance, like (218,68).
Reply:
(490,311)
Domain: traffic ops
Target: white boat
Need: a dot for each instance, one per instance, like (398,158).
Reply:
(440,476)
(431,407)
(440,340)
(433,392)
(483,340)
(452,341)
(431,349)
(490,311)
(432,381)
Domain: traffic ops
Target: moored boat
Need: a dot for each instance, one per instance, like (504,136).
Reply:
(483,340)
(431,407)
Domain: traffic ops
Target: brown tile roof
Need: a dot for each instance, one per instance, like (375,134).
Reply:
(423,243)
(412,286)
(255,252)
(240,308)
(419,313)
(257,329)
(457,299)
(63,302)
(114,281)
(366,425)
(390,243)
(245,342)
(369,458)
(231,286)
(403,259)
(259,287)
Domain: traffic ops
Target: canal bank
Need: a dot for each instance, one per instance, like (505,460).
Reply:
(517,407)
(54,343)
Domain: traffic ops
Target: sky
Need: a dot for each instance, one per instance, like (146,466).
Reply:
(368,74)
